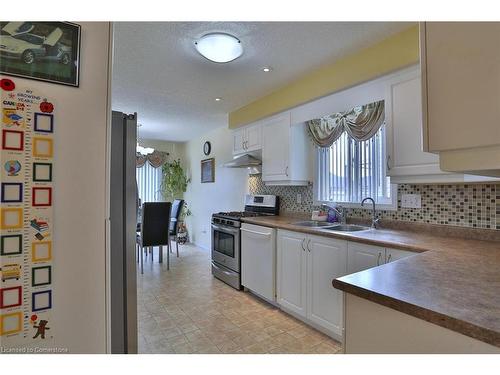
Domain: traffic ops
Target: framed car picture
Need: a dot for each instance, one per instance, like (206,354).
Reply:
(45,51)
(208,170)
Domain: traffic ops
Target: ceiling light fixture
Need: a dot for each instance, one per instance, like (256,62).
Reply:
(144,150)
(267,69)
(218,99)
(219,47)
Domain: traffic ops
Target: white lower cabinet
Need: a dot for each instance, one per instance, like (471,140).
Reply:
(326,261)
(306,267)
(362,256)
(291,273)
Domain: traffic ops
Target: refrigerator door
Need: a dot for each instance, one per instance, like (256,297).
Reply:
(123,223)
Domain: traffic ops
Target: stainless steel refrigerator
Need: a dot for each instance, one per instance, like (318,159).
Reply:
(123,224)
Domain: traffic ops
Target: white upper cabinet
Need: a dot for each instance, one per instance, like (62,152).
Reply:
(460,64)
(285,152)
(406,160)
(247,139)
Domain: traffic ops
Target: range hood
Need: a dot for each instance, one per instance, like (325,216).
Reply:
(245,161)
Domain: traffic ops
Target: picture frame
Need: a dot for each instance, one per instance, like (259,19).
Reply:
(208,170)
(42,51)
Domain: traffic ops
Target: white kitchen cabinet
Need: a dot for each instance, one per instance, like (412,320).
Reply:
(247,139)
(258,260)
(326,261)
(291,272)
(406,159)
(392,255)
(362,256)
(460,64)
(285,157)
(306,267)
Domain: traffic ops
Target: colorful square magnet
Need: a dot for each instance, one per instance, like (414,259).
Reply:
(11,244)
(41,300)
(12,218)
(12,140)
(41,196)
(10,297)
(41,276)
(42,172)
(11,323)
(42,147)
(44,122)
(11,192)
(41,251)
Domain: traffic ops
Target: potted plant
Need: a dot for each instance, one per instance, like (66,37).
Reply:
(174,183)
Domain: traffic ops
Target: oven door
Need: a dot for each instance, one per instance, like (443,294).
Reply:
(226,246)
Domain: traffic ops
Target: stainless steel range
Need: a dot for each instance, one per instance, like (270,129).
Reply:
(226,236)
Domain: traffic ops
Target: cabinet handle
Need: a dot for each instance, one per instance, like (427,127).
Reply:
(302,244)
(389,258)
(246,145)
(378,258)
(286,171)
(308,248)
(388,162)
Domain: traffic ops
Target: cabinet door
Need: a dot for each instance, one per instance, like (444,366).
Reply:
(276,148)
(327,260)
(361,257)
(405,155)
(239,141)
(461,66)
(291,273)
(253,138)
(392,254)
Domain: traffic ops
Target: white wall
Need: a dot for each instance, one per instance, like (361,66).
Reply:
(79,308)
(226,194)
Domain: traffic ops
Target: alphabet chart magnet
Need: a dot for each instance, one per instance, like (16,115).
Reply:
(26,217)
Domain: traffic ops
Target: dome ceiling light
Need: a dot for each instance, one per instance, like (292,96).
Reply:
(219,47)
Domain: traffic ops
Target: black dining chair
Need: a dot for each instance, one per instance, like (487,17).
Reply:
(175,214)
(155,225)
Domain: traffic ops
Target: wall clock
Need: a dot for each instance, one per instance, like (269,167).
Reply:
(207,148)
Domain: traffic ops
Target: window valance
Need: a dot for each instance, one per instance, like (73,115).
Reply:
(361,123)
(155,159)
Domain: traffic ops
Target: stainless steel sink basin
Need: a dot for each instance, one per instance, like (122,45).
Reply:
(347,228)
(314,224)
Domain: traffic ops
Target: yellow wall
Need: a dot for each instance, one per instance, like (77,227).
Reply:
(395,52)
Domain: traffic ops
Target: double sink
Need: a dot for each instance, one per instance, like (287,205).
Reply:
(330,226)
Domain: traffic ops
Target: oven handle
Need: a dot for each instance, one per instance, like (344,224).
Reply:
(221,270)
(225,229)
(254,232)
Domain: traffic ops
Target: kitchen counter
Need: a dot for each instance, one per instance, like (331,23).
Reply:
(453,283)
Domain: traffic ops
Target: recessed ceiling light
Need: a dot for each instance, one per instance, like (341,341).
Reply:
(219,47)
(218,99)
(267,69)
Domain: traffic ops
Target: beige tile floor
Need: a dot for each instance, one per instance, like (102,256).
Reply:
(186,310)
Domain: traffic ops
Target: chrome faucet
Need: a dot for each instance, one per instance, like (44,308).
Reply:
(375,221)
(339,210)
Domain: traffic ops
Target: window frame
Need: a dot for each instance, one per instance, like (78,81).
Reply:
(393,206)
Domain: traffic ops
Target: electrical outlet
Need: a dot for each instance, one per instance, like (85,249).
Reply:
(299,198)
(411,201)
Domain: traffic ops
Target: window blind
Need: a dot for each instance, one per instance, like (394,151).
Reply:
(149,183)
(349,170)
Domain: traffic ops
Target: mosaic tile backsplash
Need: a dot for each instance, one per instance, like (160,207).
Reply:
(466,205)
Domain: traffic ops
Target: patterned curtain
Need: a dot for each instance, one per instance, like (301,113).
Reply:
(361,123)
(156,159)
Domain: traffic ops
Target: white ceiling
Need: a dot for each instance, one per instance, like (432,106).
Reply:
(158,73)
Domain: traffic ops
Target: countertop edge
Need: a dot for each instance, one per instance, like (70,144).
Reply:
(341,236)
(453,324)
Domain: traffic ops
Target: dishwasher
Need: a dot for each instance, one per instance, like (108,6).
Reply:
(258,260)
